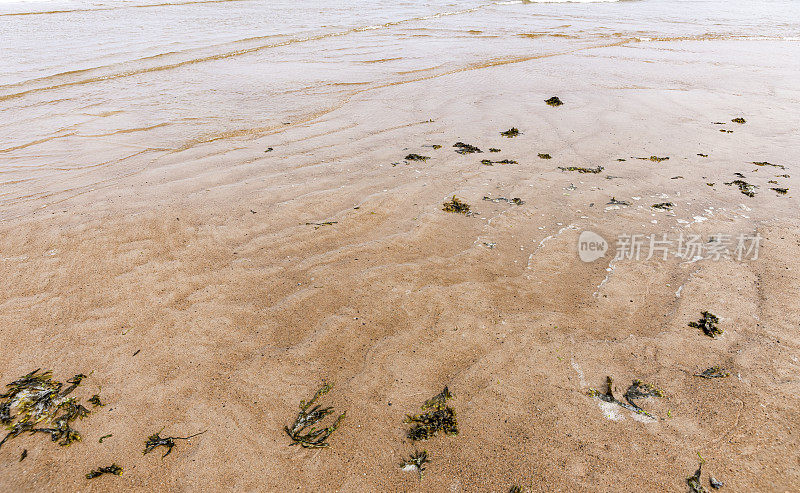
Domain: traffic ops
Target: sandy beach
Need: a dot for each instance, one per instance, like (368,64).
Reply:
(214,227)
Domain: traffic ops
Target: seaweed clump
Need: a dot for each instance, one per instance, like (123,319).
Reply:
(744,187)
(36,398)
(657,159)
(112,469)
(494,149)
(782,191)
(545,156)
(739,120)
(306,418)
(463,148)
(708,323)
(439,417)
(580,169)
(665,206)
(416,462)
(457,206)
(637,390)
(416,157)
(156,440)
(554,101)
(713,372)
(511,132)
(765,163)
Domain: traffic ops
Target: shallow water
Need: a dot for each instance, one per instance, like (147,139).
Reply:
(93,91)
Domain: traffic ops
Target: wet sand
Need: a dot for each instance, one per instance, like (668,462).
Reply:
(203,261)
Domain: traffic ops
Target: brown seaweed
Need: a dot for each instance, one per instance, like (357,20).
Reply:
(308,417)
(416,461)
(782,191)
(95,401)
(765,163)
(714,372)
(156,440)
(456,206)
(657,159)
(702,155)
(112,469)
(438,417)
(544,156)
(744,187)
(511,132)
(416,157)
(463,148)
(614,201)
(515,489)
(23,455)
(494,149)
(554,101)
(708,323)
(739,120)
(666,206)
(581,169)
(637,390)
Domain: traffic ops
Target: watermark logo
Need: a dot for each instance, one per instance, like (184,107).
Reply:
(591,246)
(689,248)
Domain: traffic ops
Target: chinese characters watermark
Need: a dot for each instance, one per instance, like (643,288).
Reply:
(687,247)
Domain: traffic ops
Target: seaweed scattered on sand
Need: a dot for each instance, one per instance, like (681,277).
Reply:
(506,161)
(487,162)
(718,123)
(515,489)
(112,469)
(156,440)
(666,206)
(95,401)
(702,155)
(511,132)
(614,201)
(621,160)
(726,131)
(439,417)
(679,177)
(104,437)
(657,159)
(695,486)
(713,372)
(782,176)
(23,455)
(325,223)
(554,101)
(581,169)
(739,174)
(710,184)
(457,206)
(708,323)
(739,120)
(416,462)
(637,390)
(306,418)
(774,182)
(782,191)
(37,399)
(463,148)
(744,187)
(765,163)
(494,149)
(715,483)
(545,156)
(416,157)
(515,200)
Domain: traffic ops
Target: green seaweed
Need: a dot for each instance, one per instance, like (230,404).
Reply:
(637,390)
(112,469)
(782,191)
(511,132)
(156,440)
(416,157)
(487,162)
(554,101)
(739,120)
(104,437)
(439,417)
(713,372)
(695,486)
(666,206)
(581,169)
(416,461)
(456,206)
(463,148)
(37,399)
(744,187)
(318,225)
(311,416)
(95,401)
(708,323)
(544,156)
